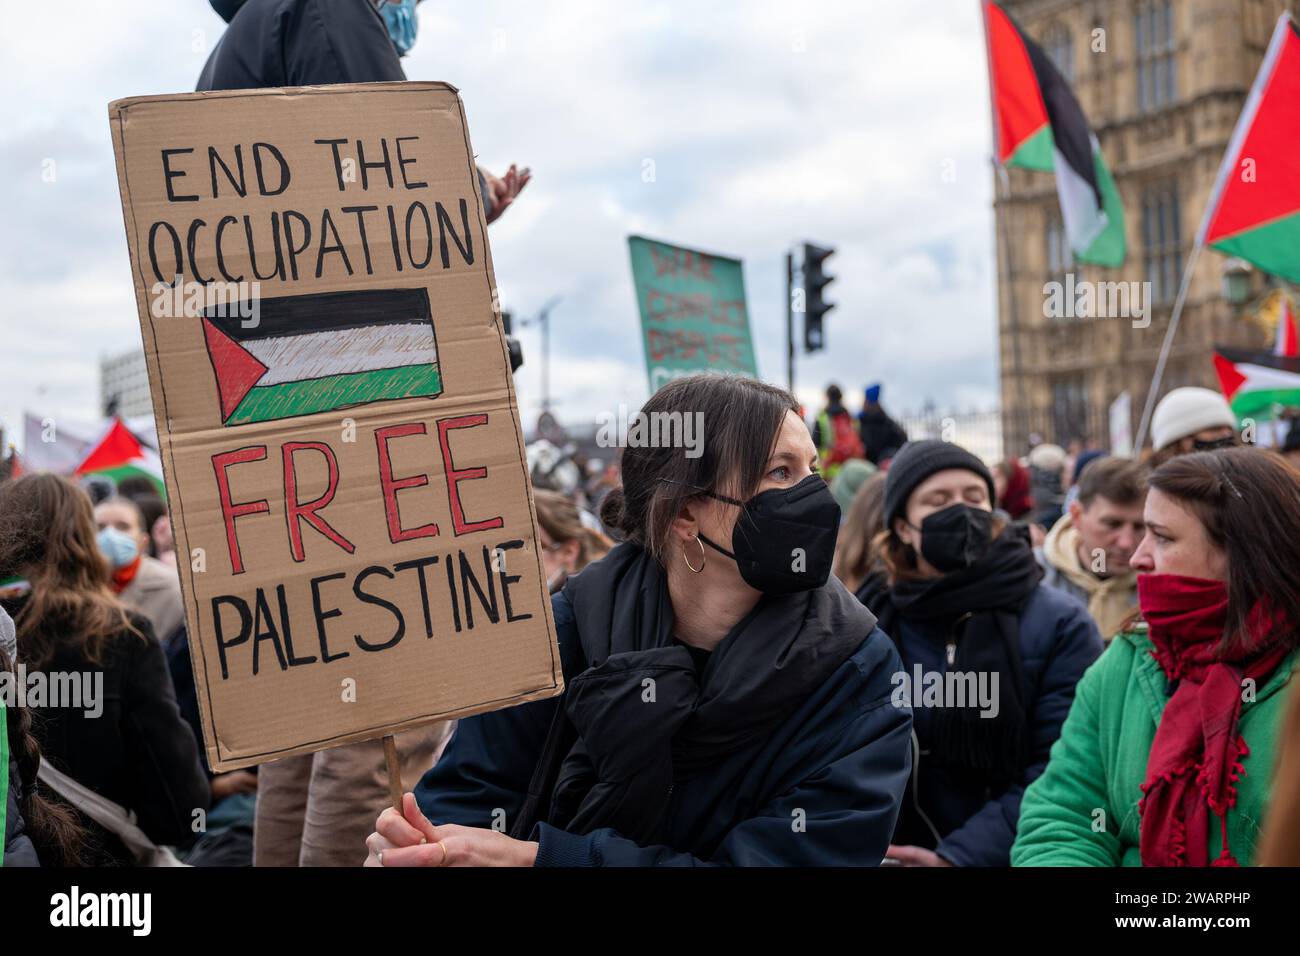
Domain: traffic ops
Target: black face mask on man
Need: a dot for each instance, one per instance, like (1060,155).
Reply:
(955,537)
(784,539)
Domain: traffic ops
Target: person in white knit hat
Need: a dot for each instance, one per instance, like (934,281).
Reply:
(1191,419)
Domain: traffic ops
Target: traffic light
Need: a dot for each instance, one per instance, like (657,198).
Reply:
(512,344)
(815,281)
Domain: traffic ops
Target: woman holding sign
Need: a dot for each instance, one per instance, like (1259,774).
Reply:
(727,701)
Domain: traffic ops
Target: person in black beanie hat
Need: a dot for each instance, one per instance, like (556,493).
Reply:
(991,656)
(918,460)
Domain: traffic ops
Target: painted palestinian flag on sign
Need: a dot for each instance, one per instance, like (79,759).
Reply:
(1039,125)
(1257,383)
(119,454)
(317,353)
(1254,211)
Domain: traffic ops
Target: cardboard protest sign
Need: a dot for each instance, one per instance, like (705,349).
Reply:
(337,420)
(693,312)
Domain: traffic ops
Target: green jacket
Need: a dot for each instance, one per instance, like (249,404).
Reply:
(1096,768)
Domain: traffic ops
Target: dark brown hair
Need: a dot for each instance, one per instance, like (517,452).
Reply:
(47,533)
(1249,505)
(855,552)
(740,419)
(1118,480)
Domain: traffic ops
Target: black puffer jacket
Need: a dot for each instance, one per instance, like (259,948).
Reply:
(837,762)
(300,43)
(272,43)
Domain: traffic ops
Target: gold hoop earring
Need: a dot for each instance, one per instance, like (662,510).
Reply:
(703,557)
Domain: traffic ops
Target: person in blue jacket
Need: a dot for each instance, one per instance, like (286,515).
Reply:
(727,701)
(991,655)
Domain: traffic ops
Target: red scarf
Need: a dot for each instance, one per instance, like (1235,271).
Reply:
(1195,760)
(123,576)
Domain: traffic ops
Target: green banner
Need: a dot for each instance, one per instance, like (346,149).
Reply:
(693,312)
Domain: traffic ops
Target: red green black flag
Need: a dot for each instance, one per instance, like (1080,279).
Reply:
(1254,211)
(1039,125)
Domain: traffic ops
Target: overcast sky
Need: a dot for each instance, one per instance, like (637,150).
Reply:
(858,125)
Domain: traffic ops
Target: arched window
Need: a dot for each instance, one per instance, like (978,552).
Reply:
(1162,240)
(1059,46)
(1154,29)
(1069,408)
(1060,258)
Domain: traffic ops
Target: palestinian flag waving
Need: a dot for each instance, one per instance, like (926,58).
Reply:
(1039,125)
(1256,383)
(1254,211)
(316,353)
(119,454)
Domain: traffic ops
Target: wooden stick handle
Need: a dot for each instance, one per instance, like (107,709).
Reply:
(394,772)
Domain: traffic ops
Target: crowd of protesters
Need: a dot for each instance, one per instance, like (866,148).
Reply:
(1157,588)
(864,650)
(938,680)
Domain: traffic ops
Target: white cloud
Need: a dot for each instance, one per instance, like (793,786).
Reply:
(768,124)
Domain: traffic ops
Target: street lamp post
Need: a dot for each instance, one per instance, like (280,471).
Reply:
(543,318)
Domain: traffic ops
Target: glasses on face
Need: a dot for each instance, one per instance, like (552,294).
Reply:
(1212,445)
